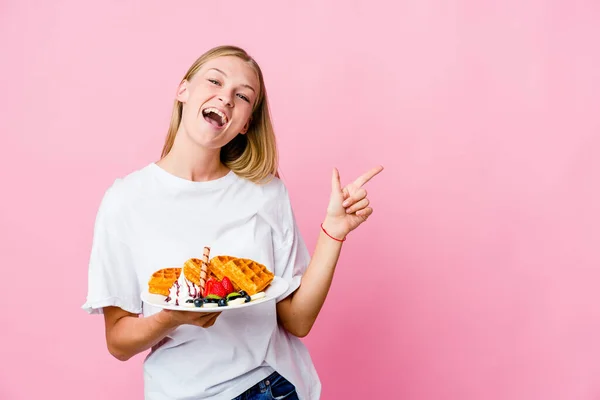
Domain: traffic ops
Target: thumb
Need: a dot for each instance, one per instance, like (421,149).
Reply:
(336,186)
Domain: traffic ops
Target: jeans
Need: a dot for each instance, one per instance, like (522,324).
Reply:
(273,387)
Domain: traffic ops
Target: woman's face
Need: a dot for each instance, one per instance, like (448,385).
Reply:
(218,101)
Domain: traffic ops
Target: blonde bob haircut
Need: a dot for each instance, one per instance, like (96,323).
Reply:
(252,156)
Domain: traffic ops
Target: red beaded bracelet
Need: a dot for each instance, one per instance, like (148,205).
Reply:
(339,240)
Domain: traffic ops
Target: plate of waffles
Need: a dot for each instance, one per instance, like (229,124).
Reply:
(213,284)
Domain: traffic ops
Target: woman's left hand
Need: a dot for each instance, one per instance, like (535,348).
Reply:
(348,207)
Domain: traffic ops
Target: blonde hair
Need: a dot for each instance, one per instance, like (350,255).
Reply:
(252,156)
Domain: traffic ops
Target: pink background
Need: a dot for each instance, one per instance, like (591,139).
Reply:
(476,278)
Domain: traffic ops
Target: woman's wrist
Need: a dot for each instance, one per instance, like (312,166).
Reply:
(332,229)
(166,320)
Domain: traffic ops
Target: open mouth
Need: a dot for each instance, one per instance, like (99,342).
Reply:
(214,117)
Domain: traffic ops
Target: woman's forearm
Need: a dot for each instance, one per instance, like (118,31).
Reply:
(130,335)
(299,312)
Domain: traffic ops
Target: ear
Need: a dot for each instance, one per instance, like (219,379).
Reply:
(183,92)
(246,126)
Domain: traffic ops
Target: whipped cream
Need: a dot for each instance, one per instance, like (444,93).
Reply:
(182,290)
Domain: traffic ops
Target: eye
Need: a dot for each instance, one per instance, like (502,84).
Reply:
(214,82)
(241,96)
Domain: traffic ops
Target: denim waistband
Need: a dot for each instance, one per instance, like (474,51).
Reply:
(262,385)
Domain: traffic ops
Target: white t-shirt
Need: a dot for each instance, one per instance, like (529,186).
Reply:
(151,219)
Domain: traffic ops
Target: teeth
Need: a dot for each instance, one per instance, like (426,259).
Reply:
(219,113)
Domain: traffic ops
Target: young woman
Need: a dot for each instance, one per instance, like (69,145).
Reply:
(216,185)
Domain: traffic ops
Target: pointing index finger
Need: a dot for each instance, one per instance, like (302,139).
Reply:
(367,176)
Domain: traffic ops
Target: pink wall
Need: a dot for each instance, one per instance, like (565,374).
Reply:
(476,278)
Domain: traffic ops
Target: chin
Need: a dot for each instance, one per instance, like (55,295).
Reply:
(208,140)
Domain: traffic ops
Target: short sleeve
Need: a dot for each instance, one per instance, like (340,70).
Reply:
(291,256)
(112,279)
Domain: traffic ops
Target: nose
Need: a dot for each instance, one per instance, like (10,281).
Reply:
(225,98)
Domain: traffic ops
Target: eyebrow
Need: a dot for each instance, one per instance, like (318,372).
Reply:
(244,85)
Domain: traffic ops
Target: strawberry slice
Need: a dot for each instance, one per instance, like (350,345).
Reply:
(218,289)
(227,285)
(208,286)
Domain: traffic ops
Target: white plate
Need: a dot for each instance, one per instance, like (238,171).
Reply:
(277,287)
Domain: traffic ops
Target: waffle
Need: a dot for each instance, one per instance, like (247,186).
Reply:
(191,269)
(244,274)
(162,280)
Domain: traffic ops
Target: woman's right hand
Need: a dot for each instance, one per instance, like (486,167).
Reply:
(173,319)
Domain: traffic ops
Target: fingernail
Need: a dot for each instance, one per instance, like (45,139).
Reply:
(345,203)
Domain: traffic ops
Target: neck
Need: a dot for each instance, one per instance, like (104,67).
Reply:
(189,161)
